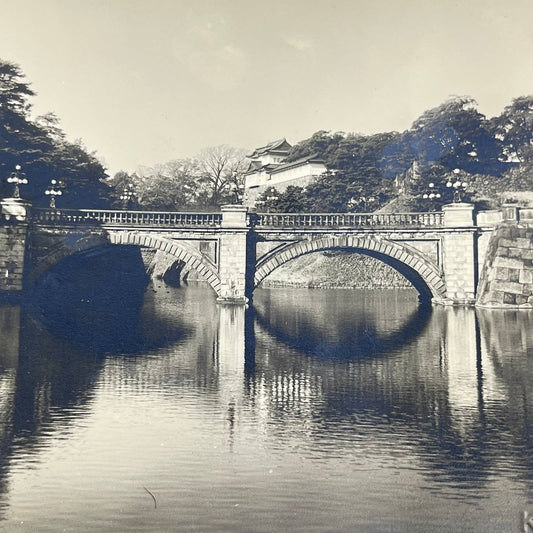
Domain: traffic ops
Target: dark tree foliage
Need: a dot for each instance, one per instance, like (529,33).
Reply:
(514,128)
(292,200)
(123,190)
(41,149)
(365,172)
(455,135)
(360,167)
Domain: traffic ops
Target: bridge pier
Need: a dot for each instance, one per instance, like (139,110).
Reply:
(459,255)
(13,233)
(233,243)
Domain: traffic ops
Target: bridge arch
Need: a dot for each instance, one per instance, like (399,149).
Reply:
(423,274)
(181,251)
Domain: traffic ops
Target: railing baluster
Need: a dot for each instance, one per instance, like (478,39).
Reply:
(154,218)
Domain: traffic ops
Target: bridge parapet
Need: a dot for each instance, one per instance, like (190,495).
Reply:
(124,218)
(349,220)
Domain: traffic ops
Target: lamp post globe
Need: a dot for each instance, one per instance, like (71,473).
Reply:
(459,186)
(18,178)
(127,195)
(53,190)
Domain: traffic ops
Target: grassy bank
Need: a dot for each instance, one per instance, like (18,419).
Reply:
(336,269)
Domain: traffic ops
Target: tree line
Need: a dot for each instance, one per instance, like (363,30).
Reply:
(365,172)
(450,142)
(40,147)
(214,178)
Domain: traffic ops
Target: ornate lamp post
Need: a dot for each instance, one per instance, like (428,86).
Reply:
(54,190)
(269,196)
(459,186)
(355,203)
(272,197)
(18,178)
(127,195)
(432,194)
(241,196)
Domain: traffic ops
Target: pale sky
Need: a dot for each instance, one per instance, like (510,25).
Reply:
(147,81)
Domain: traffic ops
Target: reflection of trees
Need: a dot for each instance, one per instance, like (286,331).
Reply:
(93,297)
(421,387)
(507,352)
(48,387)
(50,382)
(51,373)
(430,396)
(9,340)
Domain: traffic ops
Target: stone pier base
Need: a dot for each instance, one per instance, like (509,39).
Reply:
(13,232)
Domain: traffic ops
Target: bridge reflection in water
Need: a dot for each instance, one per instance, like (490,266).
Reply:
(313,372)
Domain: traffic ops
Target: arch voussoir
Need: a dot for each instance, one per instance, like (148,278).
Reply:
(401,255)
(181,251)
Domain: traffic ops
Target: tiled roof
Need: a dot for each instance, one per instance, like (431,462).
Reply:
(302,161)
(279,145)
(257,167)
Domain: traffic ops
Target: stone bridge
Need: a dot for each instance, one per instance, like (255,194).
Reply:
(441,253)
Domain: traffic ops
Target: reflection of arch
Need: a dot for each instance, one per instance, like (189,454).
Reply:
(423,274)
(362,344)
(181,251)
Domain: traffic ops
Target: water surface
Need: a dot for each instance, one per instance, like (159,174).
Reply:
(318,410)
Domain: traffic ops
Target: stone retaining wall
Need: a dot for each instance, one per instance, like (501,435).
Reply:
(336,269)
(507,276)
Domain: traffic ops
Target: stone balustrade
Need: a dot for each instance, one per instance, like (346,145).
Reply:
(344,220)
(126,218)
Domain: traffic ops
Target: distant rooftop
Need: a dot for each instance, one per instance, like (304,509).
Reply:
(279,146)
(313,158)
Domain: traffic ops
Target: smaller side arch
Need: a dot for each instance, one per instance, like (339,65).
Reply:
(182,251)
(71,244)
(420,271)
(63,248)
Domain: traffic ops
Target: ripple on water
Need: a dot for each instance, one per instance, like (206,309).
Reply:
(333,411)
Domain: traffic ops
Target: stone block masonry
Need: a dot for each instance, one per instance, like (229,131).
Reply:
(459,255)
(12,250)
(507,275)
(13,232)
(232,266)
(460,267)
(233,255)
(439,255)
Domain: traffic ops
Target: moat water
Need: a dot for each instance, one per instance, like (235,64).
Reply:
(317,410)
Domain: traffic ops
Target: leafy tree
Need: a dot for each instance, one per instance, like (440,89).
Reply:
(359,167)
(323,144)
(124,185)
(214,178)
(174,185)
(514,127)
(42,150)
(455,135)
(291,200)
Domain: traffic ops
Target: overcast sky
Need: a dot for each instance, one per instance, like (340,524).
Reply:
(147,81)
